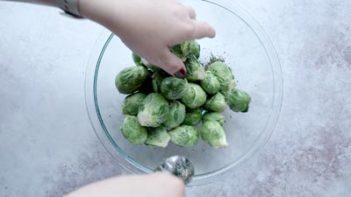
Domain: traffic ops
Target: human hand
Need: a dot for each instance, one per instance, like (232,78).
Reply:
(149,27)
(154,185)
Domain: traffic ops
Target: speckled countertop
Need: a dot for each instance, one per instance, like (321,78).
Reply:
(47,146)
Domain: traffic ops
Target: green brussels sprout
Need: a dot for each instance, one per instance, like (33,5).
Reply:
(190,48)
(192,117)
(216,103)
(130,79)
(176,115)
(238,100)
(153,110)
(213,134)
(210,83)
(138,60)
(133,131)
(184,135)
(223,74)
(157,78)
(173,88)
(177,50)
(158,137)
(132,103)
(153,68)
(213,116)
(186,49)
(194,97)
(194,70)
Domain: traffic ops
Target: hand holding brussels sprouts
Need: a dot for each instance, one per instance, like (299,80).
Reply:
(162,108)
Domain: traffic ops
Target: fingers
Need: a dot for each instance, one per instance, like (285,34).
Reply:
(173,186)
(203,29)
(172,64)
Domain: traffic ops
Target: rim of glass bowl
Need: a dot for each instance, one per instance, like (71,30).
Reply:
(134,167)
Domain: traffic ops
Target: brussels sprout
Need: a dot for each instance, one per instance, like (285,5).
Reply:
(210,83)
(238,100)
(153,110)
(223,74)
(132,103)
(213,116)
(216,103)
(176,50)
(184,135)
(133,131)
(195,71)
(137,59)
(193,117)
(173,88)
(130,79)
(194,96)
(158,137)
(157,78)
(186,49)
(190,48)
(176,115)
(153,68)
(213,134)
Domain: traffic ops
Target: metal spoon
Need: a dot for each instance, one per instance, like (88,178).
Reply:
(179,166)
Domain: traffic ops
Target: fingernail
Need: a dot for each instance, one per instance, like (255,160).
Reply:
(181,73)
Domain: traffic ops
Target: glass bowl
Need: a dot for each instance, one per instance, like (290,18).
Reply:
(251,56)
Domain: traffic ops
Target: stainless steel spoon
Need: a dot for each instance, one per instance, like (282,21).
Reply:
(178,166)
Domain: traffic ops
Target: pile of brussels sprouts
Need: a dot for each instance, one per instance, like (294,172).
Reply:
(160,108)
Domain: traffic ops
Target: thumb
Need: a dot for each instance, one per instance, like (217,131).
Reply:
(172,64)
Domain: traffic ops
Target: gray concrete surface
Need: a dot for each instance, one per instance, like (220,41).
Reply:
(48,148)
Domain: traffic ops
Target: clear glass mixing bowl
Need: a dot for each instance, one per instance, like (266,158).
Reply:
(249,52)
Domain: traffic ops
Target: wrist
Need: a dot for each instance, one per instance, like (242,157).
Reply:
(100,11)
